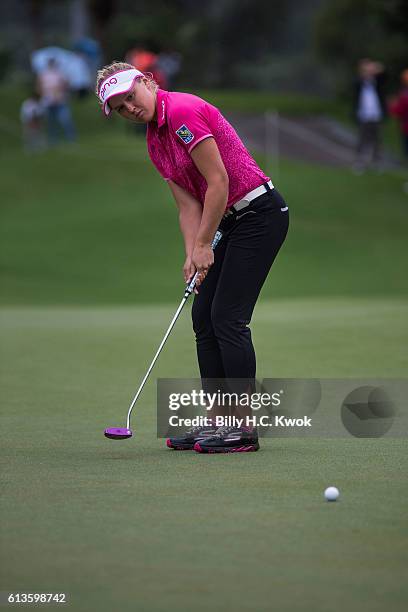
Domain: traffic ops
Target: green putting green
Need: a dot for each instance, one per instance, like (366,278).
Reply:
(132,525)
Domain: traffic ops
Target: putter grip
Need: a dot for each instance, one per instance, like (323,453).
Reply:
(191,285)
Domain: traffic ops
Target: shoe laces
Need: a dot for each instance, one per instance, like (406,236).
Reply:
(196,429)
(224,430)
(193,430)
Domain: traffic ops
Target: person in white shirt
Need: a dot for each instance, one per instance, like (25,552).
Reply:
(369,110)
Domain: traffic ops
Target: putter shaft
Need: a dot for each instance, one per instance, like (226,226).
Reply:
(179,309)
(188,291)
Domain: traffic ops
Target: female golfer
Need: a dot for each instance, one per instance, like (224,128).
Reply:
(216,185)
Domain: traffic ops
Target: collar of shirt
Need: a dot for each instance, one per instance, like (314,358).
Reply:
(161,107)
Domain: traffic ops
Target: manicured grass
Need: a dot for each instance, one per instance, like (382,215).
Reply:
(96,224)
(133,525)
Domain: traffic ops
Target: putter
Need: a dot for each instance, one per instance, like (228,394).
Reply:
(121,433)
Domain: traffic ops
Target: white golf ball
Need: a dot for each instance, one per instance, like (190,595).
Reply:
(331,493)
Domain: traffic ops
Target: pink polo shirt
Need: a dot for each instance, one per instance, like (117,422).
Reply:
(184,120)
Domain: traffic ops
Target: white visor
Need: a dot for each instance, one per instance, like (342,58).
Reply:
(117,83)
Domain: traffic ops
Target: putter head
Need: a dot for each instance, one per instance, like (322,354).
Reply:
(118,433)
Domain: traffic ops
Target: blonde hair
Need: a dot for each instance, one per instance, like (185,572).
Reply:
(116,66)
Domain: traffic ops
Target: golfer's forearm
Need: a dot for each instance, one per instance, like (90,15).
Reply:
(215,202)
(190,211)
(189,221)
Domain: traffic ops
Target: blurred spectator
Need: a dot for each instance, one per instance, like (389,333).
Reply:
(54,90)
(147,61)
(32,121)
(74,66)
(369,111)
(169,63)
(399,109)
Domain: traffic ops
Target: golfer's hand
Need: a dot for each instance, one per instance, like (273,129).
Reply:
(202,258)
(188,269)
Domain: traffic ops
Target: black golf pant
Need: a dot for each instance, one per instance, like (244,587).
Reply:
(223,308)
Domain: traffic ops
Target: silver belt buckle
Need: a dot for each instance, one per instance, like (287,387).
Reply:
(241,204)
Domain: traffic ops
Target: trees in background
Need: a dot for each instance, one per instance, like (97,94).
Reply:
(347,30)
(224,43)
(274,44)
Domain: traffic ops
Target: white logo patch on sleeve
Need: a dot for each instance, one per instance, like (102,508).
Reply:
(184,133)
